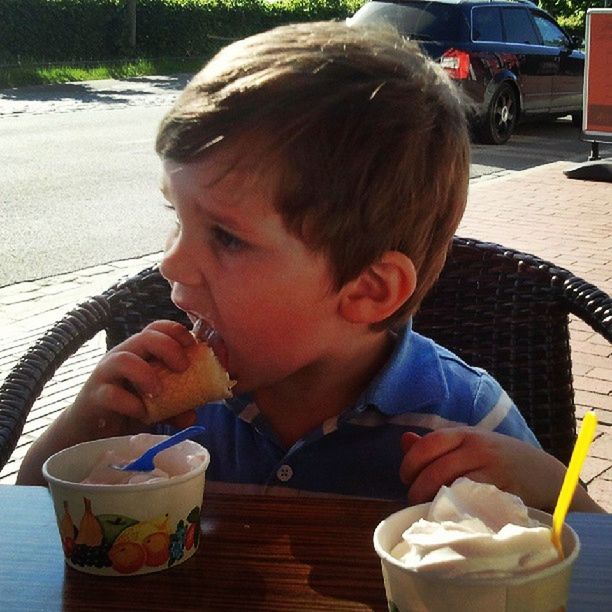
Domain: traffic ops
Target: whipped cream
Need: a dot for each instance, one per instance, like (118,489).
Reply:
(474,529)
(174,461)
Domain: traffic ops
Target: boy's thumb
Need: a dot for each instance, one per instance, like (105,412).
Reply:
(408,439)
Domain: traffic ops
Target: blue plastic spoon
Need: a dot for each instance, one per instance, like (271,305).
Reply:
(144,463)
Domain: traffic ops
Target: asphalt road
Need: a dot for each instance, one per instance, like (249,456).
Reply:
(79,178)
(78,189)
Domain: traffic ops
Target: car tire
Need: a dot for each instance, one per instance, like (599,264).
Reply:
(577,119)
(497,124)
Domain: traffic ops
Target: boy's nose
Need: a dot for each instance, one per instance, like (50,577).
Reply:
(178,266)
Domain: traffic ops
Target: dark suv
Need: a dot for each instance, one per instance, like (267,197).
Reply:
(510,57)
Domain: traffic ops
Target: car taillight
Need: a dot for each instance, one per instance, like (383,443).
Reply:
(456,63)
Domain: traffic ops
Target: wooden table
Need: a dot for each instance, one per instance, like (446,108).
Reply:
(256,553)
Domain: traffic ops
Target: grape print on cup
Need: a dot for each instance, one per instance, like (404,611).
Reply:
(125,545)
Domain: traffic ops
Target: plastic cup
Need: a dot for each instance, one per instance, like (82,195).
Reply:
(119,530)
(540,590)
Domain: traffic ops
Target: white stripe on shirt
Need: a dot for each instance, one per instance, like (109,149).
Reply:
(497,414)
(249,413)
(329,425)
(411,419)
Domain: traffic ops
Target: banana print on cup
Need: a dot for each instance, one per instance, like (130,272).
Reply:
(123,544)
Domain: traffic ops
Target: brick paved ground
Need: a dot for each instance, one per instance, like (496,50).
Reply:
(538,211)
(26,310)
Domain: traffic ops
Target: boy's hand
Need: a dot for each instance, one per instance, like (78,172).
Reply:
(442,456)
(110,400)
(109,403)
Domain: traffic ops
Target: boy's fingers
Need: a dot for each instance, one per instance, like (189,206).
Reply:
(408,439)
(156,345)
(427,449)
(174,329)
(137,373)
(443,471)
(122,401)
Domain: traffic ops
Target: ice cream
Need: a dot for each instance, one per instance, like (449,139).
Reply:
(174,461)
(474,529)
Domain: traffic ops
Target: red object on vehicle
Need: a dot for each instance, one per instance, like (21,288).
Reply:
(456,63)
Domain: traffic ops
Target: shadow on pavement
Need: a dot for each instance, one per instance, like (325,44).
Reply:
(105,91)
(534,143)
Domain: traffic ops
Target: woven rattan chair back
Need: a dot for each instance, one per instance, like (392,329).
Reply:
(507,312)
(498,309)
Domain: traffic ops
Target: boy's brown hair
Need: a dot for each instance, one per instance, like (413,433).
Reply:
(368,135)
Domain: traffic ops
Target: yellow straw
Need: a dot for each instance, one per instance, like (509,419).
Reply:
(581,449)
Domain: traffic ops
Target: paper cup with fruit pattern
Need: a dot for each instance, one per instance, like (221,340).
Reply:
(127,529)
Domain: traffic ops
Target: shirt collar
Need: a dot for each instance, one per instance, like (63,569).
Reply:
(412,378)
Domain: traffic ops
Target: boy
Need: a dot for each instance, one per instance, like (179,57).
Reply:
(318,173)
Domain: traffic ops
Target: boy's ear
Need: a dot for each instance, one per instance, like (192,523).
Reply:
(379,290)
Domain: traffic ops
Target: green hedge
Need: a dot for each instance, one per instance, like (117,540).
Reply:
(85,30)
(571,14)
(34,31)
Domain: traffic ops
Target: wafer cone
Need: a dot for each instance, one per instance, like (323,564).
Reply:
(205,380)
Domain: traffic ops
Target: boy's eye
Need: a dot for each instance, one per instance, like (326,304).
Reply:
(227,240)
(172,209)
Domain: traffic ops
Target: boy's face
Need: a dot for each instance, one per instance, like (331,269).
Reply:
(232,263)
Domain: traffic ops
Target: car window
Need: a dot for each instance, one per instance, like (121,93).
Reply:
(519,26)
(552,35)
(486,24)
(418,20)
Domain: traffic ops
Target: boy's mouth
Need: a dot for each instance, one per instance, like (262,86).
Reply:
(205,332)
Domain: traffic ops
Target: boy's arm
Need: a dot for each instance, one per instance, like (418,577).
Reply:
(512,465)
(109,403)
(67,430)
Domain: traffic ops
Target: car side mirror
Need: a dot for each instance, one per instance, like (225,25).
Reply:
(577,42)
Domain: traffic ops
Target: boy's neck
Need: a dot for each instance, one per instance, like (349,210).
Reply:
(310,397)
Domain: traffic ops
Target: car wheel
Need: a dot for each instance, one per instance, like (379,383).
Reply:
(498,122)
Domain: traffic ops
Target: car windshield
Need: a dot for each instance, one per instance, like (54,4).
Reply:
(417,20)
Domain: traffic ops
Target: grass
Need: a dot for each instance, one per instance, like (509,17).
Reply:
(18,75)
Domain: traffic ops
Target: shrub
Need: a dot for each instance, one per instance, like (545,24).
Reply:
(571,14)
(83,30)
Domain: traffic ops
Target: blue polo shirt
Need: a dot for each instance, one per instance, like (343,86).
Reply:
(423,387)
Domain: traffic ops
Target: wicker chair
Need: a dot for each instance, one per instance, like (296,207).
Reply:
(497,308)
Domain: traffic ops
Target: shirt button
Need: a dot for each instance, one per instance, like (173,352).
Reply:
(284,473)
